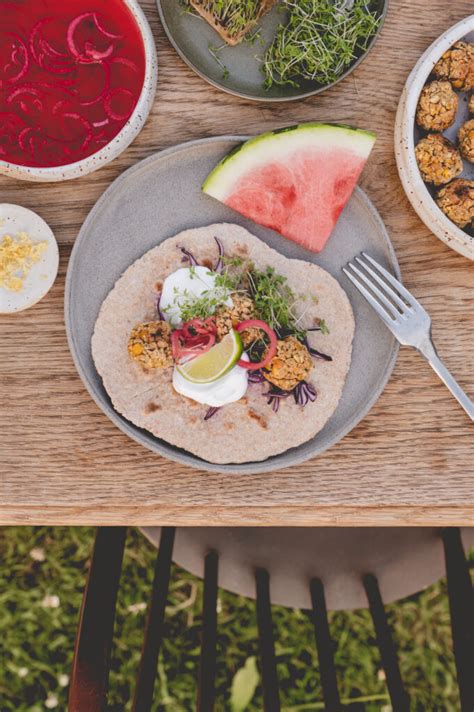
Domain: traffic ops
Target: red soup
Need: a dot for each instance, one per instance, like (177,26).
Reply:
(71,73)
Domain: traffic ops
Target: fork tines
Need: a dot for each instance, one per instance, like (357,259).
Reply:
(383,291)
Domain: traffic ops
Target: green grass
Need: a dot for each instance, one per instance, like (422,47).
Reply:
(36,641)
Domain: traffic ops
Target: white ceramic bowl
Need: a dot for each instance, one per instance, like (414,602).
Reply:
(123,138)
(15,219)
(405,129)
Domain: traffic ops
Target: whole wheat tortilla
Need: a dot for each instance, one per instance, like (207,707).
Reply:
(247,430)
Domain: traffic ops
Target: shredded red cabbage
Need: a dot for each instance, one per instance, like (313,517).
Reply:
(255,376)
(319,354)
(188,256)
(158,308)
(274,396)
(315,352)
(211,411)
(304,392)
(220,262)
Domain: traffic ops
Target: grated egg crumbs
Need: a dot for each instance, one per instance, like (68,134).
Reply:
(17,256)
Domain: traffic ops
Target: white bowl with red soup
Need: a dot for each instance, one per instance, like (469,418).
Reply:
(77,81)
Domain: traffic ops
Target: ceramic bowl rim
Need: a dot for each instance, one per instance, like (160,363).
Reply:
(404,140)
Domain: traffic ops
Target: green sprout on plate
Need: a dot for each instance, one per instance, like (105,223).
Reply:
(320,40)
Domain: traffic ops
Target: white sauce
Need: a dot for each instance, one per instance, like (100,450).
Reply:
(184,285)
(227,389)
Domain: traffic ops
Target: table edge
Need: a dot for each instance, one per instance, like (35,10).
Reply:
(304,516)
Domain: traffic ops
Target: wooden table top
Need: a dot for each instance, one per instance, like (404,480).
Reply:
(410,461)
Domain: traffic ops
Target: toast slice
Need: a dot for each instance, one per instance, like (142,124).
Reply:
(231,31)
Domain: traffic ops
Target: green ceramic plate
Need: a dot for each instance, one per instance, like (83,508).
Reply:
(238,69)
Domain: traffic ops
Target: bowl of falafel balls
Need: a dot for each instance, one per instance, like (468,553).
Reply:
(434,137)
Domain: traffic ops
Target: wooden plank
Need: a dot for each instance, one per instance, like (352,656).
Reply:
(411,459)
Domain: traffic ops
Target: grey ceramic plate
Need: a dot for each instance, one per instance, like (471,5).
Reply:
(237,71)
(161,196)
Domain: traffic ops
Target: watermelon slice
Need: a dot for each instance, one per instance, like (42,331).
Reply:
(295,180)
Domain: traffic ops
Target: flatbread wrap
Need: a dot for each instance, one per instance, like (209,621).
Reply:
(268,419)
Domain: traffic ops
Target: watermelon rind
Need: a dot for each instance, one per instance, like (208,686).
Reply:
(279,145)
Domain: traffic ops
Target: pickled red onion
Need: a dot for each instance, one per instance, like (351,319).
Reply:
(194,338)
(18,46)
(108,104)
(89,54)
(271,349)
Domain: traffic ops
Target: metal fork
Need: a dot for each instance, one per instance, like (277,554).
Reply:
(403,315)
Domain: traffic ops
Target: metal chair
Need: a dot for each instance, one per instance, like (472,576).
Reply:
(217,554)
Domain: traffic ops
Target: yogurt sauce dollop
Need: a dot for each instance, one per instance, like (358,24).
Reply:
(178,288)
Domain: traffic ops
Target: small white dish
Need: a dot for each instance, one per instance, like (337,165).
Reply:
(406,134)
(123,139)
(15,219)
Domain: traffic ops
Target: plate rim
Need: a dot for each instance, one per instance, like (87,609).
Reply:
(165,449)
(268,99)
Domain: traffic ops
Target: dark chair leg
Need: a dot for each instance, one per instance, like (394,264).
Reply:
(461,606)
(154,628)
(324,645)
(207,667)
(90,668)
(398,696)
(271,698)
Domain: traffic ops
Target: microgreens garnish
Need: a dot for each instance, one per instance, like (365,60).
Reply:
(233,16)
(214,52)
(323,327)
(274,300)
(233,261)
(194,307)
(319,41)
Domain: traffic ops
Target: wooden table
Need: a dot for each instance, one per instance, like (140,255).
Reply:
(411,459)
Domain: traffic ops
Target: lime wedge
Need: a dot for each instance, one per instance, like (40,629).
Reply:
(215,362)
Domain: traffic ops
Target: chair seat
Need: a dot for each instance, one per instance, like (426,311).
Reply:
(404,560)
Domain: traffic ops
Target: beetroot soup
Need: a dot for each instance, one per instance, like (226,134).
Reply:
(71,74)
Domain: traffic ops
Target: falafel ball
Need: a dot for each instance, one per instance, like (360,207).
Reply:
(291,364)
(150,344)
(437,106)
(438,159)
(471,104)
(466,140)
(456,200)
(457,65)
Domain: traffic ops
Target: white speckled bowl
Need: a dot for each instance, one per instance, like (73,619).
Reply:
(123,138)
(406,135)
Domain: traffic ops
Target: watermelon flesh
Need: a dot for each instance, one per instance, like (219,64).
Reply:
(295,181)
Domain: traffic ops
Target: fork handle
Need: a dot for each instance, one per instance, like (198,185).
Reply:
(429,352)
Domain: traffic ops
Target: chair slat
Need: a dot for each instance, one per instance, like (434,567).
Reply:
(90,669)
(154,628)
(398,696)
(461,606)
(324,646)
(271,698)
(207,667)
